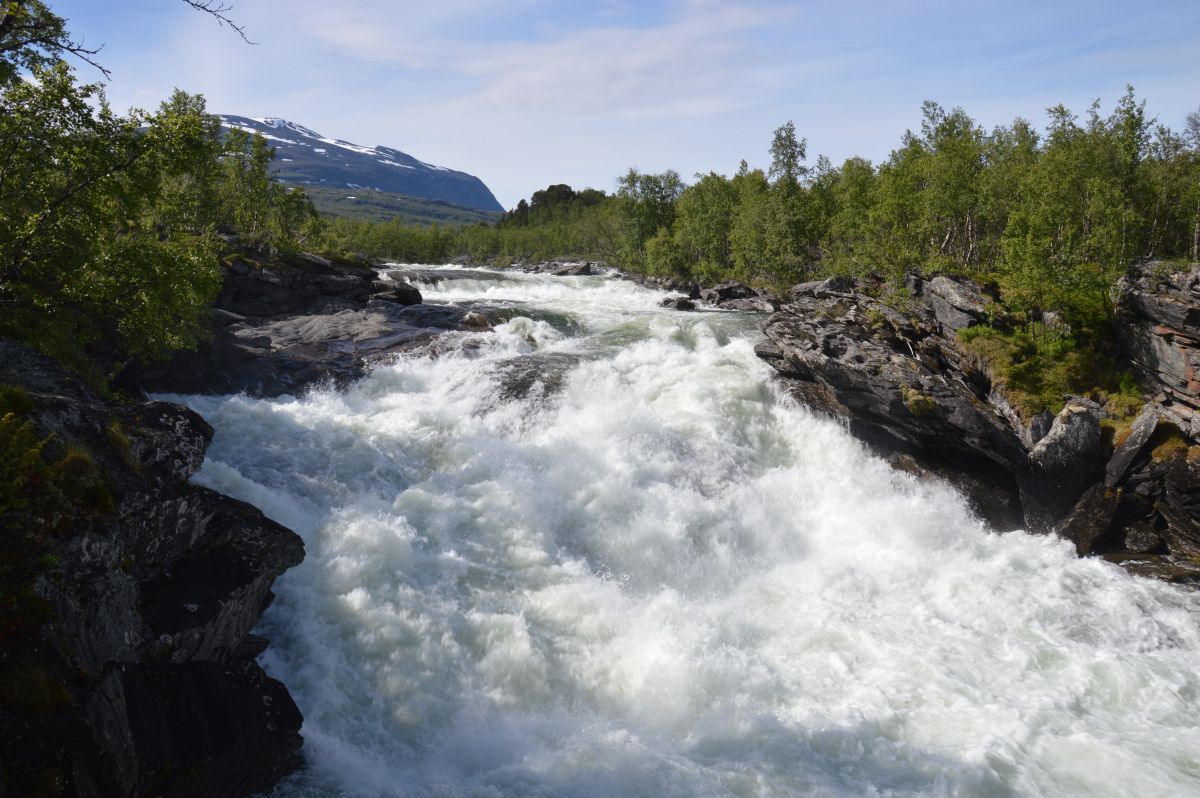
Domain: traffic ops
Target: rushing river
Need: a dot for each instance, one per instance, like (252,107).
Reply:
(596,552)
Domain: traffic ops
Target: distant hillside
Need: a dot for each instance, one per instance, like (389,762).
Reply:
(379,206)
(305,157)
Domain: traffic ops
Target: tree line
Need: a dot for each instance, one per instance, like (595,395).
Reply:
(1052,217)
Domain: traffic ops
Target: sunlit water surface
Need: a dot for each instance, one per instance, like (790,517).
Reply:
(653,575)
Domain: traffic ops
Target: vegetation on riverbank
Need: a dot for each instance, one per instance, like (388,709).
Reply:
(1048,220)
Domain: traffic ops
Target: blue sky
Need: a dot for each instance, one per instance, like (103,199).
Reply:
(525,93)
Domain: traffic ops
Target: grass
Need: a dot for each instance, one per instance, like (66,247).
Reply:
(1035,368)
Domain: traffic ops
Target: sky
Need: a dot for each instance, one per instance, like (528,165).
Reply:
(525,93)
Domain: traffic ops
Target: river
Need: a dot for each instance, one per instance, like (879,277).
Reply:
(597,552)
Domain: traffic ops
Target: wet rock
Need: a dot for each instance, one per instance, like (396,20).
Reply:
(333,337)
(401,292)
(1090,518)
(1063,463)
(758,304)
(726,291)
(677,303)
(558,268)
(437,276)
(1142,538)
(538,373)
(1162,567)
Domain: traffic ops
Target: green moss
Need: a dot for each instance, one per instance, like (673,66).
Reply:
(1035,367)
(29,688)
(237,257)
(1168,443)
(14,399)
(917,403)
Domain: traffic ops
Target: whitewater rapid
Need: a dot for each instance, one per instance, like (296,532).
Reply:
(648,573)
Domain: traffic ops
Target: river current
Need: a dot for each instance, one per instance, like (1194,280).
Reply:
(597,552)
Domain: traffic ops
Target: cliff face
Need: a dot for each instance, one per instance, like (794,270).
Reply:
(126,646)
(900,381)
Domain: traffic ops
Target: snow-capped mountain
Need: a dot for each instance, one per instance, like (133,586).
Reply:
(303,156)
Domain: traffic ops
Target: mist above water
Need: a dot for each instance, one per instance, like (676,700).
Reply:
(597,553)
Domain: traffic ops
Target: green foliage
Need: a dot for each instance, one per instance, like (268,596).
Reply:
(43,491)
(1037,366)
(107,222)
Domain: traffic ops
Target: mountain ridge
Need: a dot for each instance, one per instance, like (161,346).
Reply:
(305,157)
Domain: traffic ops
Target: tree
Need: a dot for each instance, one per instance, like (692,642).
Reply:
(646,203)
(703,224)
(83,258)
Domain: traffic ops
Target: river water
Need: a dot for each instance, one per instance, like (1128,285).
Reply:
(596,552)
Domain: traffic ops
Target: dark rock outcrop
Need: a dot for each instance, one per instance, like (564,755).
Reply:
(1158,315)
(955,303)
(677,303)
(901,385)
(148,599)
(725,291)
(556,268)
(896,375)
(284,325)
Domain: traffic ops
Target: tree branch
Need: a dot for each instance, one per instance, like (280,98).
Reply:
(218,11)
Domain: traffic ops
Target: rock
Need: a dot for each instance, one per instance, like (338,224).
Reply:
(399,291)
(282,328)
(1157,566)
(1040,426)
(899,383)
(572,270)
(677,303)
(557,268)
(1181,503)
(725,291)
(1139,434)
(957,304)
(292,285)
(437,276)
(902,384)
(1090,518)
(1063,463)
(1141,538)
(1158,325)
(150,595)
(758,304)
(539,374)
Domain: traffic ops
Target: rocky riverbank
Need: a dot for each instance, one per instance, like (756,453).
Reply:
(283,324)
(898,377)
(127,663)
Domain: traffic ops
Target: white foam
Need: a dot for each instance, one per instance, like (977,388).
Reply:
(668,580)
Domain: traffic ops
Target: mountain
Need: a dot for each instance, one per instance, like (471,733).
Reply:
(381,206)
(305,157)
